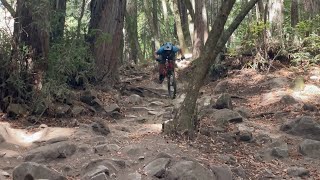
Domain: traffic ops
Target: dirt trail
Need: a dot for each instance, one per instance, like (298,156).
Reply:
(136,139)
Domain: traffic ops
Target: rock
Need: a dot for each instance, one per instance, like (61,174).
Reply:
(77,111)
(141,120)
(112,108)
(32,170)
(157,167)
(224,102)
(96,171)
(88,96)
(263,139)
(222,86)
(267,174)
(98,105)
(304,126)
(309,107)
(279,82)
(100,128)
(113,165)
(156,103)
(211,131)
(134,176)
(4,174)
(310,148)
(16,110)
(244,112)
(51,152)
(245,136)
(297,171)
(189,170)
(61,110)
(101,176)
(277,149)
(227,159)
(106,148)
(133,150)
(225,116)
(57,139)
(163,155)
(222,172)
(135,99)
(239,171)
(288,100)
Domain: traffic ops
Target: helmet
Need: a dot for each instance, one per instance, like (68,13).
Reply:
(167,46)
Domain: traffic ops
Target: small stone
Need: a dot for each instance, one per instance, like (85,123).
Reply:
(96,171)
(297,171)
(224,102)
(141,158)
(101,176)
(156,103)
(111,108)
(287,99)
(157,167)
(309,107)
(245,136)
(135,99)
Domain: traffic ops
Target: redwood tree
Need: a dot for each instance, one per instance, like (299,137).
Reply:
(105,29)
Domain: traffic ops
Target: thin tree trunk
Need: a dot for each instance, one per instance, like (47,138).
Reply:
(132,31)
(8,7)
(185,119)
(83,5)
(294,20)
(190,9)
(178,23)
(152,24)
(200,26)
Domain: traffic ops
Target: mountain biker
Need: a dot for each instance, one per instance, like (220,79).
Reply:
(166,51)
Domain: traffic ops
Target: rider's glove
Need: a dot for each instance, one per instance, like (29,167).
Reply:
(182,58)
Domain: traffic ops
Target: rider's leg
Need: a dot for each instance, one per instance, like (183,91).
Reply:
(161,69)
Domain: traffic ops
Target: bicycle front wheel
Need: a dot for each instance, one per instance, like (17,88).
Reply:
(172,85)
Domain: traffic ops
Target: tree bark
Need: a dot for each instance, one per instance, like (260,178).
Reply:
(83,5)
(185,119)
(178,23)
(106,24)
(153,25)
(31,32)
(132,31)
(201,30)
(276,19)
(8,7)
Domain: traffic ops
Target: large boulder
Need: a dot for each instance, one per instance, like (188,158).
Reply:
(32,170)
(189,170)
(304,126)
(51,152)
(278,149)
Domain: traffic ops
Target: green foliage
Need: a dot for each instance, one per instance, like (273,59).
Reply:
(70,62)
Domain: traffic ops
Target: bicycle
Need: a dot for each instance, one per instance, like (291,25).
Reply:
(168,72)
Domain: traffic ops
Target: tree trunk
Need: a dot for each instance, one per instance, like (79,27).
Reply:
(31,34)
(58,17)
(185,23)
(106,24)
(178,23)
(153,25)
(276,19)
(132,31)
(83,5)
(185,119)
(200,24)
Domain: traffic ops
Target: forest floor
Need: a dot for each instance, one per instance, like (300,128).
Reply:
(129,143)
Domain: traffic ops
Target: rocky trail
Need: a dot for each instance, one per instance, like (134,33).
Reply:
(252,126)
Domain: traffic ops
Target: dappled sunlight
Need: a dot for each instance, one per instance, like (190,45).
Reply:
(24,138)
(310,93)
